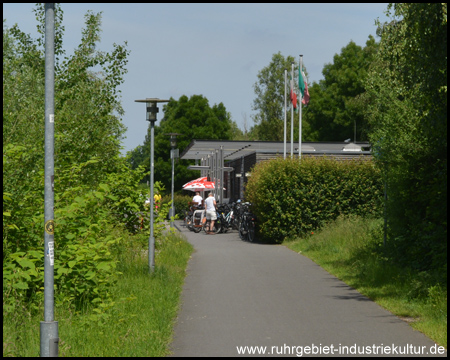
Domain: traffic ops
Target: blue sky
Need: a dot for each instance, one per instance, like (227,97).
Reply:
(215,50)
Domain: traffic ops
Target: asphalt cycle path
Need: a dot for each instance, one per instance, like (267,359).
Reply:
(241,298)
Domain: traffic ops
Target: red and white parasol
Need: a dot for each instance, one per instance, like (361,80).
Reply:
(200,184)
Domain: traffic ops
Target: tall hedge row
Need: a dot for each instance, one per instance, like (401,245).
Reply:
(293,198)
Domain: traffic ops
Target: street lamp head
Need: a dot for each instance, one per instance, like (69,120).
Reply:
(173,138)
(152,108)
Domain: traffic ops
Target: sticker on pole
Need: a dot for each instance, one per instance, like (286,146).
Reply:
(51,252)
(51,118)
(49,227)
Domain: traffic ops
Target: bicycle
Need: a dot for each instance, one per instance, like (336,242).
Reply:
(238,211)
(223,221)
(206,226)
(225,217)
(247,225)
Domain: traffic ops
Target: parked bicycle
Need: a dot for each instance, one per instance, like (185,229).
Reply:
(238,211)
(247,226)
(217,225)
(224,219)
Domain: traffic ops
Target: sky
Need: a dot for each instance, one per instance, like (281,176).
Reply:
(214,50)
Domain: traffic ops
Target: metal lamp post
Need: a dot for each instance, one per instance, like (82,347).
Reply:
(173,155)
(49,334)
(152,110)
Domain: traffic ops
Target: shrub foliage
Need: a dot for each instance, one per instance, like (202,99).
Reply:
(85,236)
(293,198)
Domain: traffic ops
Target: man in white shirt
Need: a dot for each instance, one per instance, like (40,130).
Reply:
(210,206)
(197,198)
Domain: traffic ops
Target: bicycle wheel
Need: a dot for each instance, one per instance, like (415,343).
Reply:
(242,230)
(218,226)
(205,226)
(188,222)
(251,232)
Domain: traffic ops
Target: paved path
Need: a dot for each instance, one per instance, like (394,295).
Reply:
(244,294)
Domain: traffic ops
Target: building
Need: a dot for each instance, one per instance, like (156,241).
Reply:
(230,162)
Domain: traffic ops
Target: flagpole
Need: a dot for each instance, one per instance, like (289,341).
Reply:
(292,113)
(300,111)
(285,106)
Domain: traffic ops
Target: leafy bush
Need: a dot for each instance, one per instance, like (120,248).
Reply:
(294,197)
(85,218)
(180,201)
(181,204)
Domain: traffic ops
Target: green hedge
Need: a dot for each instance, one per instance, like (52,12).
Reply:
(293,198)
(181,203)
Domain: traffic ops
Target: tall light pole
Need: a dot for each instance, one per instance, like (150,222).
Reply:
(173,154)
(151,111)
(49,337)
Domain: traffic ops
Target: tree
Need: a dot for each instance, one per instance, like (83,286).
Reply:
(194,119)
(335,107)
(95,190)
(87,112)
(269,100)
(87,103)
(407,110)
(87,132)
(236,132)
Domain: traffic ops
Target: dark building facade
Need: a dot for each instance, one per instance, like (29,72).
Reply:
(231,162)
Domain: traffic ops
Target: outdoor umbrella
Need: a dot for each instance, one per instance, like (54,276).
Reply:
(200,184)
(200,179)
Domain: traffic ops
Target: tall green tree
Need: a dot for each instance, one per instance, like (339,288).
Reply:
(192,117)
(269,100)
(407,110)
(335,108)
(87,102)
(87,113)
(95,190)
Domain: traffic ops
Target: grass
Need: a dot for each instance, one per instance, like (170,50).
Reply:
(140,317)
(138,321)
(351,250)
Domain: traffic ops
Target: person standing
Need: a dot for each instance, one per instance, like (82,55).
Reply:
(210,206)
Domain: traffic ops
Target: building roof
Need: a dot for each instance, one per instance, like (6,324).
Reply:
(232,150)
